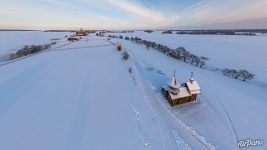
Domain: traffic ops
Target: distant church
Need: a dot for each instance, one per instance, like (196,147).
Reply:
(177,94)
(81,33)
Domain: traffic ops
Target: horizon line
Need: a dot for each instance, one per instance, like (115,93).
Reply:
(21,29)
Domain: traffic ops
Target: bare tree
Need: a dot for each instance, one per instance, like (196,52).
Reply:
(246,75)
(125,55)
(226,72)
(203,60)
(185,55)
(179,52)
(234,74)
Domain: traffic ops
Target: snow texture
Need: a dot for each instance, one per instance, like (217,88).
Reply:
(80,95)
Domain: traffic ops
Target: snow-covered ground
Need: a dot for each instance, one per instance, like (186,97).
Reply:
(227,111)
(224,51)
(12,41)
(72,99)
(81,96)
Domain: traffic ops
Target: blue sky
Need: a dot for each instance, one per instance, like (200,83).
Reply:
(133,14)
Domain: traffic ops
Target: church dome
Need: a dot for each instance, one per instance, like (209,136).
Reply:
(173,83)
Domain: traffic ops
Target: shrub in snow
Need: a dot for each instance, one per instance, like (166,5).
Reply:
(225,71)
(130,70)
(246,75)
(179,52)
(242,74)
(202,61)
(27,50)
(234,74)
(35,48)
(12,56)
(119,47)
(125,55)
(121,37)
(149,44)
(231,73)
(196,60)
(172,53)
(185,56)
(192,58)
(127,38)
(138,40)
(112,36)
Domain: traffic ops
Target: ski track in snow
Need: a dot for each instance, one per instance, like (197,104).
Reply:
(181,144)
(57,48)
(24,57)
(71,110)
(151,98)
(190,129)
(79,125)
(221,112)
(174,131)
(165,143)
(228,118)
(146,140)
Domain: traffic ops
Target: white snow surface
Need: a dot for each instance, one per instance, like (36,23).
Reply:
(224,51)
(227,111)
(81,96)
(11,41)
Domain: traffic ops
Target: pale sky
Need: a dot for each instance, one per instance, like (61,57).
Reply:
(133,14)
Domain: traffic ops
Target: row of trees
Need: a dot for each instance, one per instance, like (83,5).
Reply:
(27,50)
(179,53)
(242,74)
(182,54)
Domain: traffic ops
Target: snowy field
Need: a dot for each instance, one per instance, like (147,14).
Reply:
(224,51)
(73,98)
(81,96)
(12,41)
(227,107)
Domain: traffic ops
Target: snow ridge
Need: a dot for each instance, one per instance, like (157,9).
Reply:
(147,144)
(181,144)
(192,131)
(200,138)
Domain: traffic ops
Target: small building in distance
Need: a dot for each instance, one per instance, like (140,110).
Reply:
(178,94)
(81,33)
(72,39)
